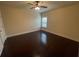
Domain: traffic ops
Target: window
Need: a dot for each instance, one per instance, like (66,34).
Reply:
(44,22)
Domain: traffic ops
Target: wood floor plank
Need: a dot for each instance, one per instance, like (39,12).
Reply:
(41,44)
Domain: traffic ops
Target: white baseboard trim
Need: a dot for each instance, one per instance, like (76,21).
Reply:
(61,35)
(16,34)
(11,35)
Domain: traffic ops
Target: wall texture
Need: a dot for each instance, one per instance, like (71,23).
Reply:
(64,21)
(20,20)
(2,30)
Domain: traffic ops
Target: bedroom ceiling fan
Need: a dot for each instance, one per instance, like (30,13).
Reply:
(36,5)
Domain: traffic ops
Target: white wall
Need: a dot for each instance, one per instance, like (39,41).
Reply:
(2,34)
(64,22)
(2,29)
(20,20)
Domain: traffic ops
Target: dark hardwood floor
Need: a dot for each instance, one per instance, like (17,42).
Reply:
(40,44)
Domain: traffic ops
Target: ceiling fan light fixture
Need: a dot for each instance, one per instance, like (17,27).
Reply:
(37,8)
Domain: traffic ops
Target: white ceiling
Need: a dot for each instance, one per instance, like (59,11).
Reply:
(49,4)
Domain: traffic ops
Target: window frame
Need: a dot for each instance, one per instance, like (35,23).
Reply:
(43,22)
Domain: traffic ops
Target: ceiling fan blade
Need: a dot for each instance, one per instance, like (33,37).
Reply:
(43,6)
(32,7)
(29,3)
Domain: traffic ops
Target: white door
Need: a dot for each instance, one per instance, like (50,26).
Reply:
(2,34)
